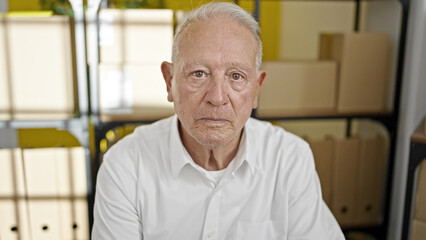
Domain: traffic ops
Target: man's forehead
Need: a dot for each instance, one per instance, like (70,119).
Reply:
(219,39)
(215,25)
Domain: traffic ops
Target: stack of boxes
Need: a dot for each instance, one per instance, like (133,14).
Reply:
(43,194)
(326,69)
(352,176)
(133,44)
(363,61)
(350,78)
(351,169)
(317,33)
(295,87)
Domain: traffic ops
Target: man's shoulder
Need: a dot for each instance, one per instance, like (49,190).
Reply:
(154,130)
(123,159)
(147,133)
(277,148)
(264,130)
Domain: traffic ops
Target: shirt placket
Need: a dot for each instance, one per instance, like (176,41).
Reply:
(211,226)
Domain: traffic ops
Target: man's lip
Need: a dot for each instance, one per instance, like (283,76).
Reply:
(214,119)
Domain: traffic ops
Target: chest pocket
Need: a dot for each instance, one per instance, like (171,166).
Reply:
(268,230)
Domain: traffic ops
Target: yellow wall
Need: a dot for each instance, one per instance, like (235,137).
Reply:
(269,21)
(23,5)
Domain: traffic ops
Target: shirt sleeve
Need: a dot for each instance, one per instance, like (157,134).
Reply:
(115,214)
(309,216)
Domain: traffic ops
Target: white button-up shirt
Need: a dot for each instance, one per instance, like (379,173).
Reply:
(148,187)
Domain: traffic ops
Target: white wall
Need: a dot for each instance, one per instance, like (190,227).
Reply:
(412,109)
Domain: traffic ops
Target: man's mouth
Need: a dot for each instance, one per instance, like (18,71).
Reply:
(212,120)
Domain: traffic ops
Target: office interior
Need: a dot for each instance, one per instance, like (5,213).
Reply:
(348,76)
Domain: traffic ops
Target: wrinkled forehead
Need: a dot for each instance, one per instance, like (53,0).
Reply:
(216,35)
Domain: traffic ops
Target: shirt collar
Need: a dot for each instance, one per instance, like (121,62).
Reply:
(179,157)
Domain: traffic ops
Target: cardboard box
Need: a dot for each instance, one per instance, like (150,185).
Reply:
(344,179)
(306,86)
(420,207)
(371,179)
(315,129)
(363,62)
(323,155)
(5,107)
(41,67)
(419,230)
(135,35)
(133,92)
(302,22)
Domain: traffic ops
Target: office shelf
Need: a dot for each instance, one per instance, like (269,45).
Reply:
(78,127)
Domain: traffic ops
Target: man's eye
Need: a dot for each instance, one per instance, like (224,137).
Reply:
(236,76)
(198,74)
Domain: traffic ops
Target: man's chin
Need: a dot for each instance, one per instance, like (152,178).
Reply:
(212,140)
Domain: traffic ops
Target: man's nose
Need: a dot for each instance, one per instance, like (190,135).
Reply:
(217,93)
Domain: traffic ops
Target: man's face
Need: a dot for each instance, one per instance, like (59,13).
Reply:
(214,84)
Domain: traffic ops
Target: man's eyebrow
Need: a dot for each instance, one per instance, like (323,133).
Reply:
(239,65)
(187,65)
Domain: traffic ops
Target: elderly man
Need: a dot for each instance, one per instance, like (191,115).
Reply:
(210,171)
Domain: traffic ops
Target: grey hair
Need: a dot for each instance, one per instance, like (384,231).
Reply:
(214,9)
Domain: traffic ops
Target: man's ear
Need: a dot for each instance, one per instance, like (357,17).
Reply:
(260,78)
(167,70)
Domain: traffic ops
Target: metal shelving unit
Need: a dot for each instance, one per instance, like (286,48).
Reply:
(78,126)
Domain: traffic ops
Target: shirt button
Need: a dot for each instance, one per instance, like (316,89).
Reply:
(211,234)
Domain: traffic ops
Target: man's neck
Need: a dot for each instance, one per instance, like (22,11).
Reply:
(211,158)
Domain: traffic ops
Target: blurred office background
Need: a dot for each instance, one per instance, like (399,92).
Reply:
(348,76)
